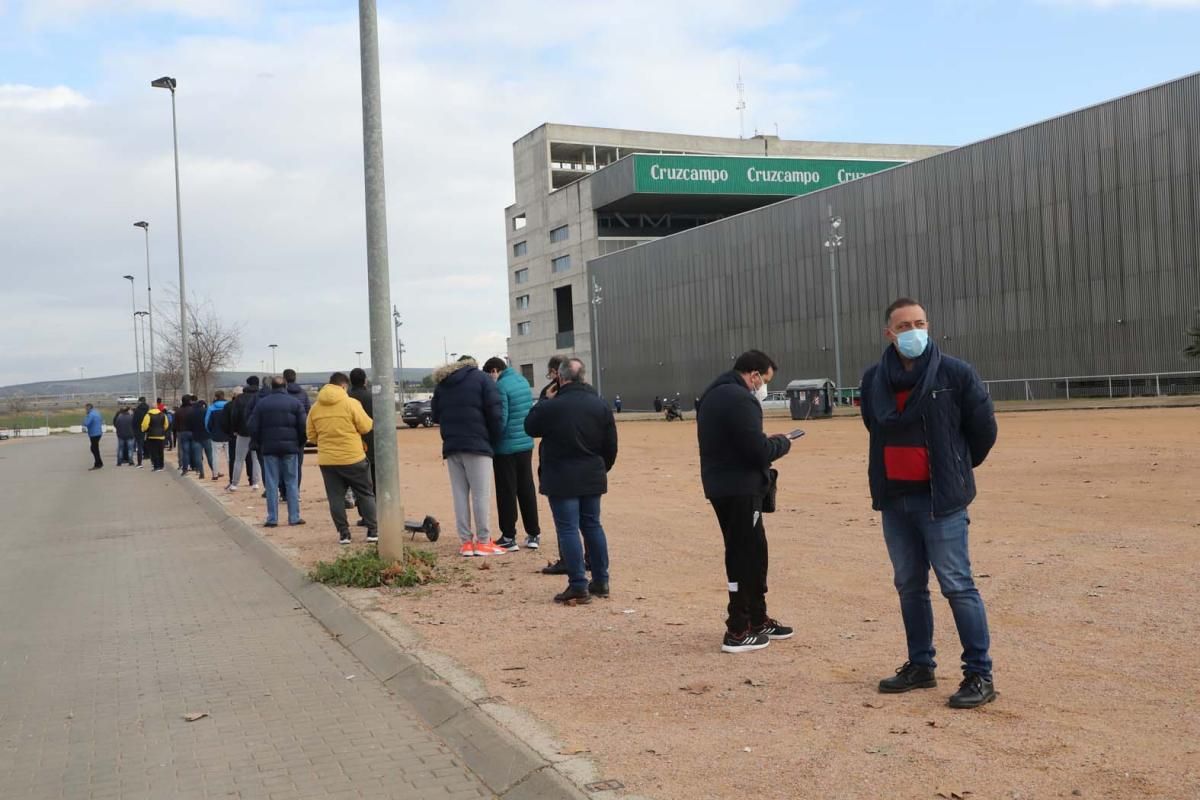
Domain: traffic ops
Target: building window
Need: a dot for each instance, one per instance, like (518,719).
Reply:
(518,222)
(560,234)
(527,373)
(520,248)
(523,328)
(521,276)
(560,264)
(522,302)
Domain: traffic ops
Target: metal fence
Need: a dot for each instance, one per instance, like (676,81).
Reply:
(1145,384)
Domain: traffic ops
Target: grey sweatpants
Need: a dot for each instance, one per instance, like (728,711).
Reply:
(239,461)
(471,486)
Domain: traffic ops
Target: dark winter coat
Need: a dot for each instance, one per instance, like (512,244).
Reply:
(579,441)
(297,391)
(735,454)
(183,416)
(363,395)
(241,408)
(139,413)
(277,424)
(196,421)
(959,421)
(466,405)
(124,425)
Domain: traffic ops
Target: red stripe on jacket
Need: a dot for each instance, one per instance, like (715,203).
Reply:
(905,462)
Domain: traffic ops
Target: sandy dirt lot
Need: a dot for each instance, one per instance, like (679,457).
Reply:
(1085,541)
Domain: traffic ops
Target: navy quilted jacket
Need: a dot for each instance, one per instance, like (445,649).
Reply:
(960,429)
(467,406)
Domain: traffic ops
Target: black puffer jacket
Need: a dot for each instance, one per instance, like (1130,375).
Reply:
(735,454)
(241,408)
(959,421)
(278,424)
(579,441)
(466,404)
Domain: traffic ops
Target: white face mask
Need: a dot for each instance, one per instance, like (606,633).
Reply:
(760,393)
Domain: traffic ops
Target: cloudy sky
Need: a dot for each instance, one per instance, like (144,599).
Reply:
(270,137)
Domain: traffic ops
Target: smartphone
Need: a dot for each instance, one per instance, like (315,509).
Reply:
(796,434)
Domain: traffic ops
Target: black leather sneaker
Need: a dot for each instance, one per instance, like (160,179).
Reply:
(908,677)
(744,642)
(573,597)
(598,589)
(974,691)
(557,568)
(774,629)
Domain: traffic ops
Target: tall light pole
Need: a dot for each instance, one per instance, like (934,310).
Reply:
(272,346)
(185,365)
(387,464)
(141,317)
(145,226)
(399,353)
(359,354)
(137,361)
(834,243)
(596,300)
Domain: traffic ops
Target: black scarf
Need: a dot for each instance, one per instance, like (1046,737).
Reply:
(892,377)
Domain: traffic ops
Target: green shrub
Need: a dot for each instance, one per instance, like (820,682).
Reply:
(365,569)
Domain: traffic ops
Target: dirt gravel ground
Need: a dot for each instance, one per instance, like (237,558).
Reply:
(1085,545)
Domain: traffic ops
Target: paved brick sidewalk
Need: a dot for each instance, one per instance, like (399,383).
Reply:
(123,608)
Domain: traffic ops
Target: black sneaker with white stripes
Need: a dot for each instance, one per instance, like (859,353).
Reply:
(345,538)
(507,544)
(744,642)
(774,629)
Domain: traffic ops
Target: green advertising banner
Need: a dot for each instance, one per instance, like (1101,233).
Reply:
(746,175)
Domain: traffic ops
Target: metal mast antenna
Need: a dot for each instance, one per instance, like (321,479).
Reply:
(741,104)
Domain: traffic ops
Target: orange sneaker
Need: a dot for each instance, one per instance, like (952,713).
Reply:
(486,548)
(468,550)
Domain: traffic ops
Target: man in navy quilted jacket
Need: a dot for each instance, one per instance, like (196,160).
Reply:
(931,422)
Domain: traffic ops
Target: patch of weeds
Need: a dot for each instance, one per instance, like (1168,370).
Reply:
(364,569)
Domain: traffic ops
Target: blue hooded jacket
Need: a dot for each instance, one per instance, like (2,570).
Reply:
(516,398)
(93,424)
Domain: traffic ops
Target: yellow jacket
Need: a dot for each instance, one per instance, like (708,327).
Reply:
(146,423)
(336,425)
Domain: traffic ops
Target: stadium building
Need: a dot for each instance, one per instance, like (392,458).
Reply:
(1063,257)
(586,192)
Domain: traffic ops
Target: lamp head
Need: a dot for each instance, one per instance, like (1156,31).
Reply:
(143,225)
(127,277)
(164,83)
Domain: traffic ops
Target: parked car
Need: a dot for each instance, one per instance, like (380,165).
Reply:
(418,412)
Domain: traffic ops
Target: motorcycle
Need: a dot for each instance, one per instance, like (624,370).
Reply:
(671,410)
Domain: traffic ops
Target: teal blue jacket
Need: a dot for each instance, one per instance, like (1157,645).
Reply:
(516,398)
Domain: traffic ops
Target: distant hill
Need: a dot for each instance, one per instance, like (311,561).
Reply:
(127,383)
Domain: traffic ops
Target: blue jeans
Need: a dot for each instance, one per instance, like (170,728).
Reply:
(275,470)
(200,449)
(184,445)
(916,541)
(125,449)
(573,516)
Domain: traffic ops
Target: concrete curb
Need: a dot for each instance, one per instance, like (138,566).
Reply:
(509,765)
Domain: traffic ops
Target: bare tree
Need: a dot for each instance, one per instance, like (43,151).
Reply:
(18,404)
(1193,349)
(213,345)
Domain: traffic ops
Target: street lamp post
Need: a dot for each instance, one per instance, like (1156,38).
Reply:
(272,346)
(359,354)
(388,504)
(596,300)
(137,361)
(141,317)
(145,226)
(834,243)
(399,353)
(185,365)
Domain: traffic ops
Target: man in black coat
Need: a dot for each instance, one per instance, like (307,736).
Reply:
(931,422)
(579,447)
(139,438)
(239,417)
(362,393)
(277,424)
(467,406)
(735,463)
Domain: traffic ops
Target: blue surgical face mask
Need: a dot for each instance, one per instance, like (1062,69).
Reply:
(912,343)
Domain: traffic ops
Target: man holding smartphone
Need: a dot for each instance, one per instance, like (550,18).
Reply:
(735,463)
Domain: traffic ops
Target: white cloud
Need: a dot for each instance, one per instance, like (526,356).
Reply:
(271,167)
(32,98)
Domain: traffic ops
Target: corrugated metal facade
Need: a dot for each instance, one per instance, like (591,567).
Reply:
(1069,247)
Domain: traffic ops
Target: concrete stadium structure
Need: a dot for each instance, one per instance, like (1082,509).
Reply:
(579,196)
(1066,248)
